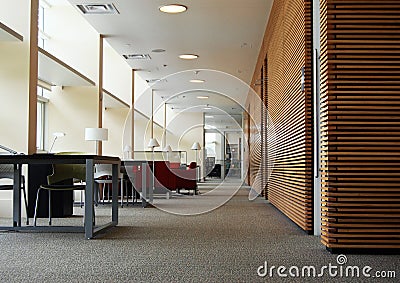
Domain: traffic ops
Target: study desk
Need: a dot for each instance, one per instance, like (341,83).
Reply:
(89,228)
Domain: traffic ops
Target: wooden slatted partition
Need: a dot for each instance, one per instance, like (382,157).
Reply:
(360,102)
(255,143)
(286,50)
(264,129)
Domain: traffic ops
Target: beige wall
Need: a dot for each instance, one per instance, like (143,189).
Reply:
(71,110)
(14,75)
(114,121)
(117,74)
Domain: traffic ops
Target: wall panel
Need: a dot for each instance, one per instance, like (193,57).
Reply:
(286,50)
(360,104)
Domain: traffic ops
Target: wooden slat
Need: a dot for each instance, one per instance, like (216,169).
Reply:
(360,95)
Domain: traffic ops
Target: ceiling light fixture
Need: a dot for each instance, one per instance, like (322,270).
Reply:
(98,9)
(188,56)
(202,97)
(173,8)
(207,108)
(158,50)
(197,81)
(136,56)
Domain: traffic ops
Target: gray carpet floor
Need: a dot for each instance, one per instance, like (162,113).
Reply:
(227,244)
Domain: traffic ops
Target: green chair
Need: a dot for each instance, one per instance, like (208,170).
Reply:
(64,178)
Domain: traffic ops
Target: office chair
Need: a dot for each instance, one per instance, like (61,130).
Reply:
(62,179)
(103,176)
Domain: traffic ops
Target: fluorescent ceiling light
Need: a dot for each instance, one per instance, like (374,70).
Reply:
(188,56)
(202,97)
(197,81)
(173,8)
(207,108)
(98,9)
(209,116)
(136,56)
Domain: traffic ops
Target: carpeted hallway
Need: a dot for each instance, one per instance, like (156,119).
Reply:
(224,245)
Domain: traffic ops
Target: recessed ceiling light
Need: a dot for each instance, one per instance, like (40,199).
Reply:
(202,97)
(98,9)
(197,81)
(188,56)
(173,8)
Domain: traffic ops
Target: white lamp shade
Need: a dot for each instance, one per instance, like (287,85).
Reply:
(59,134)
(96,134)
(196,146)
(167,148)
(153,143)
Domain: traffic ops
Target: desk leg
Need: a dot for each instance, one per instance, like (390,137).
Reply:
(144,185)
(115,173)
(89,215)
(17,196)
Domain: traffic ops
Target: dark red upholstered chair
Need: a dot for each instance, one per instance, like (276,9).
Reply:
(186,178)
(164,177)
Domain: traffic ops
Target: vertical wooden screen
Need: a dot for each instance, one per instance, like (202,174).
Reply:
(255,142)
(287,49)
(264,129)
(360,104)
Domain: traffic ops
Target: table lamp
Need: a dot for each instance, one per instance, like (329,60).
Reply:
(96,134)
(56,136)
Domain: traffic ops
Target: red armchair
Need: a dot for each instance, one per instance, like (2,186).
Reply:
(186,179)
(168,175)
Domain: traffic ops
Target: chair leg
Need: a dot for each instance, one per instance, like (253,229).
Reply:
(49,207)
(102,191)
(96,193)
(108,192)
(36,207)
(26,204)
(122,192)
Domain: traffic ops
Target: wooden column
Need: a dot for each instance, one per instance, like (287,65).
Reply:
(100,93)
(33,77)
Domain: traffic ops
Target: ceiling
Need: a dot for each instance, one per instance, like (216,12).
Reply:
(226,34)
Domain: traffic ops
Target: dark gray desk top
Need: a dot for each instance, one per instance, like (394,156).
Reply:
(55,158)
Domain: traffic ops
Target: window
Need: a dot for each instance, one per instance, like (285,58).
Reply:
(41,27)
(41,118)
